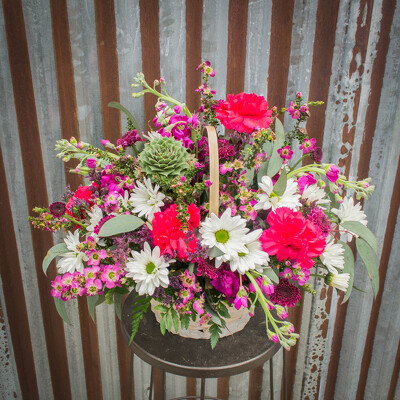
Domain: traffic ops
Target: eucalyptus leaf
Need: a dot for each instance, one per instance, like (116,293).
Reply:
(280,185)
(348,268)
(91,302)
(215,252)
(120,224)
(275,164)
(249,176)
(118,302)
(55,251)
(60,306)
(361,230)
(279,132)
(269,273)
(268,147)
(120,107)
(369,259)
(262,171)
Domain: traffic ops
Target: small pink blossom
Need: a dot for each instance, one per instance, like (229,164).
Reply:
(208,183)
(285,153)
(308,145)
(93,287)
(332,173)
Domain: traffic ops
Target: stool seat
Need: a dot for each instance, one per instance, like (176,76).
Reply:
(241,352)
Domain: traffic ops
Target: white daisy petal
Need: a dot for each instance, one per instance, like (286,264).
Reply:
(148,269)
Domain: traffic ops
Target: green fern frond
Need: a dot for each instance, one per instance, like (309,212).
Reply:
(139,307)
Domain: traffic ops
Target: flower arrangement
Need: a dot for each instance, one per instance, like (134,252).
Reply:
(144,220)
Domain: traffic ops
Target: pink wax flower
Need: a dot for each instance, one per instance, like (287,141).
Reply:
(308,145)
(286,273)
(110,276)
(285,153)
(198,305)
(186,295)
(57,287)
(95,256)
(188,280)
(93,287)
(332,173)
(91,273)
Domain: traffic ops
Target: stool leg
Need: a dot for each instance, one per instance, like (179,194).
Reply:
(164,388)
(130,377)
(151,384)
(271,379)
(203,389)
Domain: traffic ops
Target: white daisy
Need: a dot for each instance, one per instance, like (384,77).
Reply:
(124,201)
(348,211)
(313,193)
(332,257)
(95,216)
(256,258)
(148,269)
(269,199)
(146,199)
(226,233)
(73,260)
(338,281)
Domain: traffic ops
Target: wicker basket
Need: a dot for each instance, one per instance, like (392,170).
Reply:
(238,318)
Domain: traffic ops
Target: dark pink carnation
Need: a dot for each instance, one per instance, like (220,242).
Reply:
(285,294)
(226,282)
(244,112)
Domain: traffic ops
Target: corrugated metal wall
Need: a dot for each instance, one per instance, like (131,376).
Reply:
(63,61)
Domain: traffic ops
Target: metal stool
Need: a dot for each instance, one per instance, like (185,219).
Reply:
(241,352)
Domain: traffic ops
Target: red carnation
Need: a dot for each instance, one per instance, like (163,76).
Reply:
(194,213)
(292,237)
(82,193)
(244,112)
(169,237)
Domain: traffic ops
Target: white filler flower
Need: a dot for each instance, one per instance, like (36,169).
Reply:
(146,199)
(148,269)
(348,211)
(332,257)
(73,260)
(256,258)
(226,233)
(95,215)
(338,281)
(268,199)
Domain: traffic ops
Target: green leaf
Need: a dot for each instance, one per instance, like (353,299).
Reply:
(92,302)
(214,316)
(215,252)
(361,230)
(175,319)
(275,162)
(118,302)
(280,185)
(262,171)
(168,320)
(162,324)
(161,308)
(269,273)
(55,251)
(120,224)
(249,176)
(348,268)
(223,311)
(215,332)
(274,165)
(120,107)
(279,132)
(268,147)
(369,259)
(185,319)
(60,306)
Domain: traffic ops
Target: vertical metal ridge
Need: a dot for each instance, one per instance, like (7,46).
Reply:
(327,13)
(70,127)
(395,375)
(194,16)
(377,74)
(10,271)
(108,67)
(383,265)
(223,388)
(279,53)
(149,29)
(237,33)
(65,78)
(35,187)
(191,384)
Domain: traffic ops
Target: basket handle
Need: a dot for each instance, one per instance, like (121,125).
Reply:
(214,169)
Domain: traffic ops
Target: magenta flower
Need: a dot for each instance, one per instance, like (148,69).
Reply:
(332,173)
(91,273)
(308,145)
(304,181)
(91,162)
(240,301)
(198,305)
(285,153)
